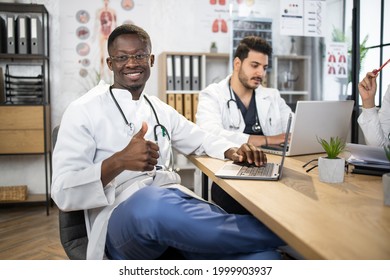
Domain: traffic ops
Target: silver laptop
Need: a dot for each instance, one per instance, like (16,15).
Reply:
(314,119)
(270,171)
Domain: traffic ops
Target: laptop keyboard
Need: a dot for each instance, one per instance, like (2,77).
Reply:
(257,170)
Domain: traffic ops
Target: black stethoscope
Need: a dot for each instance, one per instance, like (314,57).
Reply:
(169,165)
(256,128)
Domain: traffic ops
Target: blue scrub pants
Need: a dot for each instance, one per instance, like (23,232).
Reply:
(154,218)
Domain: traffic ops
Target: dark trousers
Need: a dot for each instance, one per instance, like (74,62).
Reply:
(225,201)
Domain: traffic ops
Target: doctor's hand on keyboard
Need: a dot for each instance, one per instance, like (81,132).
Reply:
(250,169)
(247,153)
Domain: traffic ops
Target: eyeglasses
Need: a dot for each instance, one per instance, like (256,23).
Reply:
(313,161)
(138,58)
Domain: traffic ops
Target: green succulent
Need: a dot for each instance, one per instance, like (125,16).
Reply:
(332,148)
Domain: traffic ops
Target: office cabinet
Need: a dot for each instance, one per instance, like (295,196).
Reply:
(182,75)
(292,76)
(25,87)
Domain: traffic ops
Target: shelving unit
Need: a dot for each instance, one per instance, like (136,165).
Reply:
(25,102)
(212,67)
(243,27)
(291,76)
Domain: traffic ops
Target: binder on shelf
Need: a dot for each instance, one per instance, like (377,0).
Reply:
(195,73)
(188,106)
(186,72)
(2,95)
(3,34)
(179,103)
(10,26)
(171,100)
(22,35)
(177,73)
(170,79)
(36,40)
(195,101)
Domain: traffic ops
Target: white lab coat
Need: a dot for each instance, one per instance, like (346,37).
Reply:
(213,113)
(92,129)
(375,123)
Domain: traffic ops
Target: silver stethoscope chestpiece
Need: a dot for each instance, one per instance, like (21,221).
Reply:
(256,127)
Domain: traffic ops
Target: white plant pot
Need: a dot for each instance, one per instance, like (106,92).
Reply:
(331,170)
(386,188)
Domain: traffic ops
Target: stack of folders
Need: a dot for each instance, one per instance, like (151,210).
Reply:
(23,89)
(183,83)
(186,104)
(183,72)
(20,34)
(368,160)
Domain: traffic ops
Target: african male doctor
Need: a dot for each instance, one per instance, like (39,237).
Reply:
(113,160)
(240,109)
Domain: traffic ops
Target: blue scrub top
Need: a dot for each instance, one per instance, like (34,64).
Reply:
(249,115)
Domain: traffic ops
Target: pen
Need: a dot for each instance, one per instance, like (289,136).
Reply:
(380,68)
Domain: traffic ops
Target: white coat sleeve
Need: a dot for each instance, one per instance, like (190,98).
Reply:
(210,117)
(189,138)
(375,124)
(76,180)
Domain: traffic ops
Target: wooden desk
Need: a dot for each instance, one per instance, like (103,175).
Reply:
(319,220)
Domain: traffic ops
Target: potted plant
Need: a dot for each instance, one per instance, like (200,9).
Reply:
(331,168)
(213,47)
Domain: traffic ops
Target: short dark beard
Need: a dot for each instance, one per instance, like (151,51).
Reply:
(134,88)
(243,79)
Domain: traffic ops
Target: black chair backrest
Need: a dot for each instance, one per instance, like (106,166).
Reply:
(73,232)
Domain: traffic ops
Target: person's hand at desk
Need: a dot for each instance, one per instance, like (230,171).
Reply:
(367,89)
(247,153)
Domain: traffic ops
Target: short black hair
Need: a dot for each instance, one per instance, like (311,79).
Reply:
(129,29)
(253,43)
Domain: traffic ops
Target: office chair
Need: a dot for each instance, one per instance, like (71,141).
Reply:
(73,232)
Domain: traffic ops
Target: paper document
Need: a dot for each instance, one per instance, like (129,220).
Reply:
(367,154)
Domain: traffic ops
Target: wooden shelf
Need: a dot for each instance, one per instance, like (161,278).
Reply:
(25,126)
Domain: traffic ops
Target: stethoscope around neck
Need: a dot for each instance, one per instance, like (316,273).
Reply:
(256,128)
(169,164)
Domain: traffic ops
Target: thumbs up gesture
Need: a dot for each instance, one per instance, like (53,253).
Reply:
(140,154)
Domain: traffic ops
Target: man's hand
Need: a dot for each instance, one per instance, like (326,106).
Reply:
(247,153)
(140,154)
(367,89)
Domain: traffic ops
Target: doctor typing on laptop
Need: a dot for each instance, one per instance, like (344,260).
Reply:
(240,109)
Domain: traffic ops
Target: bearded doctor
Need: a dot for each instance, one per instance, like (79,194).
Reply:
(113,159)
(240,109)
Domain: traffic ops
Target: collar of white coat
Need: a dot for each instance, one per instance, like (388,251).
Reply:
(263,96)
(103,87)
